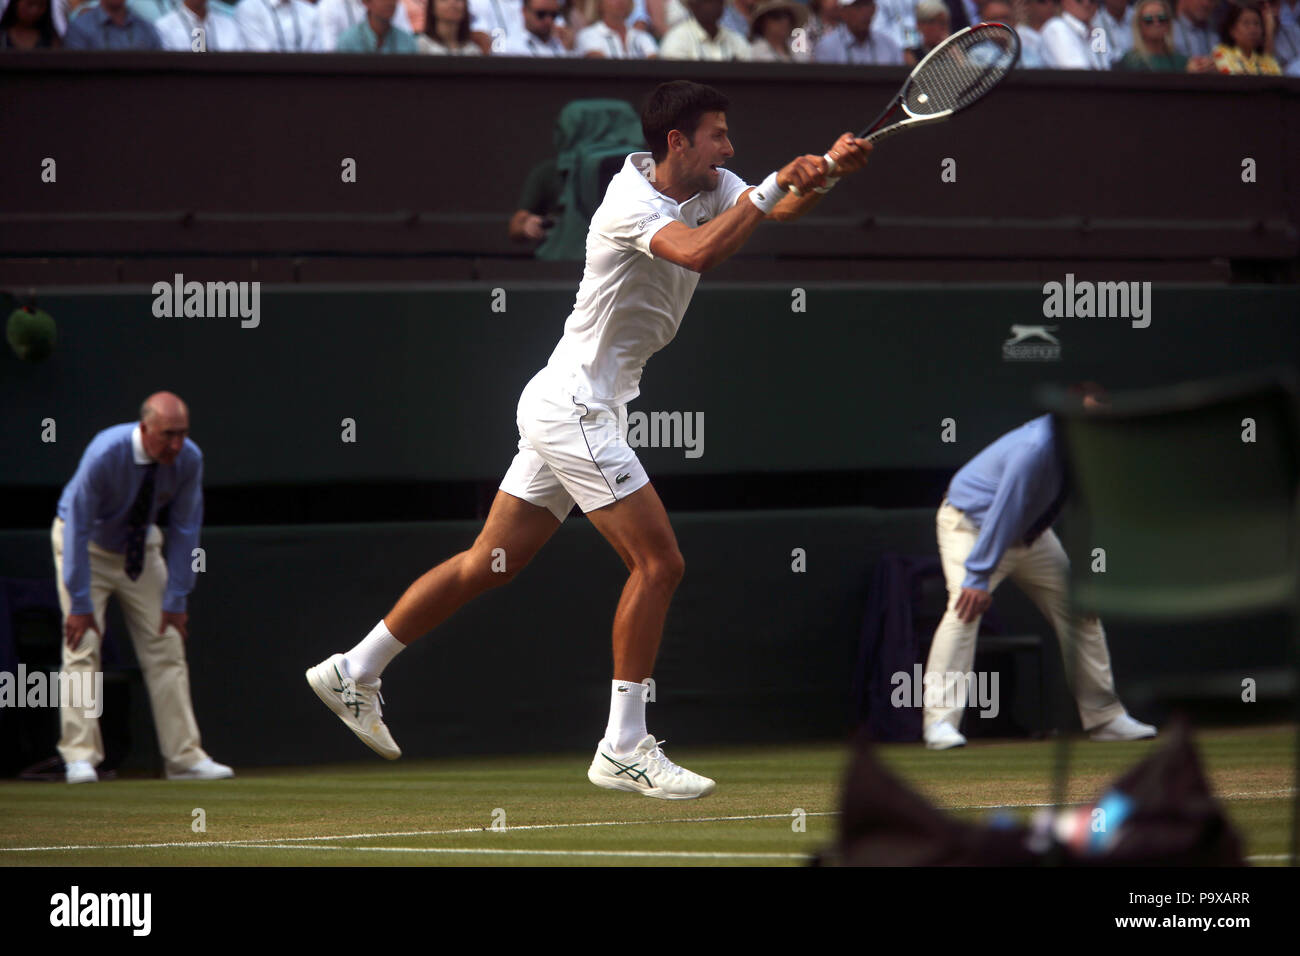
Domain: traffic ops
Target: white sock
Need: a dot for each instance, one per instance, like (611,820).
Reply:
(368,659)
(626,725)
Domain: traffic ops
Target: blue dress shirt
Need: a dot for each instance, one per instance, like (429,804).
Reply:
(1005,490)
(95,30)
(96,503)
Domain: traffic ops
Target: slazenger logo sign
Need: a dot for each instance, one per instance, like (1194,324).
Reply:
(1032,343)
(648,219)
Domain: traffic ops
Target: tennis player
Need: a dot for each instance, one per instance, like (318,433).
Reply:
(668,215)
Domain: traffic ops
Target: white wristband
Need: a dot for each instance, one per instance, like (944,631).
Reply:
(767,194)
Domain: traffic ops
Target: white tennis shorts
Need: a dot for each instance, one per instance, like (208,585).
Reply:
(571,449)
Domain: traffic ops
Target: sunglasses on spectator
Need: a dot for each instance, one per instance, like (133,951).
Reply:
(546,14)
(1158,18)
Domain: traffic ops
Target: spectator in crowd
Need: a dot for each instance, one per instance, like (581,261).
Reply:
(773,27)
(109,25)
(1193,34)
(703,37)
(932,19)
(611,37)
(377,33)
(181,28)
(1115,20)
(738,15)
(1286,42)
(538,37)
(1245,33)
(106,542)
(61,11)
(496,22)
(28,25)
(853,41)
(416,13)
(1035,13)
(998,11)
(964,13)
(279,26)
(824,18)
(1067,39)
(153,10)
(336,17)
(1153,43)
(897,18)
(446,30)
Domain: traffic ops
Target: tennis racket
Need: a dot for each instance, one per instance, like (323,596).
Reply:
(955,75)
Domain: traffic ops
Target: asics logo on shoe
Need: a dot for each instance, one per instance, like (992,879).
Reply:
(632,772)
(348,688)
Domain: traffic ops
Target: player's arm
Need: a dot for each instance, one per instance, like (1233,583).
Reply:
(710,245)
(850,155)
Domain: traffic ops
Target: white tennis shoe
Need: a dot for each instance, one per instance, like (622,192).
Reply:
(1123,727)
(205,769)
(943,736)
(647,771)
(357,704)
(81,771)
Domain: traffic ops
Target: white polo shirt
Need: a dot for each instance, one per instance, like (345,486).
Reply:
(1067,45)
(599,38)
(221,31)
(630,302)
(529,44)
(279,26)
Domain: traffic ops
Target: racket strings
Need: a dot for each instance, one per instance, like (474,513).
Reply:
(961,72)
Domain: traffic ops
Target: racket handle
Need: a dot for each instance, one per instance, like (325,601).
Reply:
(831,166)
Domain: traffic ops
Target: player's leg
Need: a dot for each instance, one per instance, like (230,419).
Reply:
(583,443)
(513,533)
(952,651)
(349,683)
(628,757)
(638,529)
(1042,574)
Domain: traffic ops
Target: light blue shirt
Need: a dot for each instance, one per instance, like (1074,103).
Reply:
(362,39)
(95,30)
(153,10)
(840,46)
(96,506)
(1005,490)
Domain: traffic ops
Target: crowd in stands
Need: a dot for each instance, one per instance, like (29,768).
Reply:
(1195,36)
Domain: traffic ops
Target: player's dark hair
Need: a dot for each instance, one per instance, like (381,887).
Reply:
(677,106)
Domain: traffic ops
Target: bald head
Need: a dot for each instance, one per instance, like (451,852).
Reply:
(164,425)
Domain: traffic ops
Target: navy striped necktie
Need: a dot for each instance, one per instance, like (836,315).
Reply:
(138,523)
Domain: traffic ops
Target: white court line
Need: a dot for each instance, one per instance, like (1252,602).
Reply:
(257,843)
(406,833)
(692,854)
